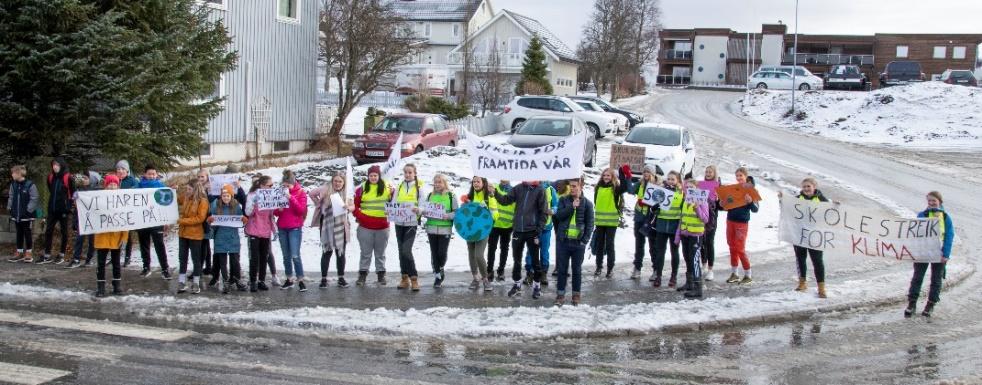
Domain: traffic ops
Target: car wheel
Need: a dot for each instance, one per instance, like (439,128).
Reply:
(418,149)
(515,124)
(595,129)
(804,87)
(761,86)
(452,144)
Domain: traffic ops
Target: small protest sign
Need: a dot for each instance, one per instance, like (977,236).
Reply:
(434,210)
(621,154)
(271,199)
(655,195)
(709,185)
(216,182)
(473,222)
(400,212)
(227,221)
(696,196)
(733,196)
(123,210)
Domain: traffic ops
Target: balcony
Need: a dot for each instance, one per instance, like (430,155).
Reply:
(667,80)
(672,54)
(507,61)
(829,59)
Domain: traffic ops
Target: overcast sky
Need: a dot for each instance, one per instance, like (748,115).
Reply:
(567,17)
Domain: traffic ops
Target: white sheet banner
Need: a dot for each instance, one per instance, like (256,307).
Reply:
(123,210)
(560,160)
(217,181)
(227,221)
(853,232)
(272,198)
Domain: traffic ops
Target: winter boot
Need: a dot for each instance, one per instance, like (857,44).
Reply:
(414,283)
(802,284)
(404,282)
(821,290)
(100,290)
(545,281)
(528,278)
(928,309)
(734,278)
(560,300)
(381,278)
(116,289)
(252,287)
(695,291)
(501,276)
(362,277)
(610,273)
(18,256)
(342,282)
(576,299)
(746,280)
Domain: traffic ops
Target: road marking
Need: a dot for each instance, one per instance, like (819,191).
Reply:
(101,327)
(29,375)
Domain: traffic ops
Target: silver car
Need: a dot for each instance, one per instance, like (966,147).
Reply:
(539,131)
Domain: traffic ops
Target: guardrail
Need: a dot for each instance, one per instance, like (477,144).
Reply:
(671,54)
(673,80)
(829,59)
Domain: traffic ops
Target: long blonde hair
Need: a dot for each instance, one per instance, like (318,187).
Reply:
(614,180)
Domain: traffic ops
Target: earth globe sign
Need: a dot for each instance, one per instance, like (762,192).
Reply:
(164,196)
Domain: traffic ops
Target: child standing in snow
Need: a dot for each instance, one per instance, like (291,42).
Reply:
(408,192)
(666,225)
(259,230)
(482,194)
(608,196)
(642,212)
(691,229)
(290,223)
(22,205)
(810,192)
(335,229)
(737,226)
(439,230)
(708,251)
(373,226)
(227,242)
(109,244)
(935,209)
(575,220)
(193,207)
(60,188)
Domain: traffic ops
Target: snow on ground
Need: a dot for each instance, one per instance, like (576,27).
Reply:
(924,115)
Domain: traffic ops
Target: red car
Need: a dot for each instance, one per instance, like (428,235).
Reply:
(419,132)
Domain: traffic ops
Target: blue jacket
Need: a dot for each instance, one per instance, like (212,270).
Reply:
(129,182)
(226,238)
(949,230)
(150,183)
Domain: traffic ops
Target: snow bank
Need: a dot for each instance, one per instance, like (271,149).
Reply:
(925,115)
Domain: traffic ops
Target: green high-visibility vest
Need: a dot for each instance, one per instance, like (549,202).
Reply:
(506,213)
(691,222)
(674,212)
(606,209)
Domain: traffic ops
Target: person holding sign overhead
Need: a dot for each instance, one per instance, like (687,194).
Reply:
(935,209)
(737,227)
(193,206)
(289,221)
(809,192)
(642,212)
(227,243)
(483,194)
(608,196)
(331,216)
(259,230)
(408,193)
(692,226)
(109,243)
(574,219)
(439,227)
(373,226)
(666,225)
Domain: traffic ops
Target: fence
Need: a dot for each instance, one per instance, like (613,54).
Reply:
(373,99)
(488,125)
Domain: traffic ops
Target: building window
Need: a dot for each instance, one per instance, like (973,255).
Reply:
(425,29)
(958,53)
(282,146)
(940,52)
(456,30)
(288,10)
(902,51)
(516,46)
(217,91)
(205,149)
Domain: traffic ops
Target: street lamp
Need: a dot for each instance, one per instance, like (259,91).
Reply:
(794,67)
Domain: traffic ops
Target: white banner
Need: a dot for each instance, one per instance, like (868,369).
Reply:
(849,231)
(123,210)
(272,198)
(655,195)
(435,210)
(227,221)
(400,212)
(216,182)
(560,160)
(394,156)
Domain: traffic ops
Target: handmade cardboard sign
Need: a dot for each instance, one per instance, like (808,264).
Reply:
(271,199)
(434,210)
(124,210)
(473,222)
(732,196)
(621,154)
(400,212)
(227,221)
(655,195)
(696,196)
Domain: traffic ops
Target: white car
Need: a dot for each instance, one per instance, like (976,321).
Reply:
(667,146)
(622,123)
(811,81)
(778,80)
(522,108)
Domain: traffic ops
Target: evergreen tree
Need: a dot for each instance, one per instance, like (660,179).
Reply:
(534,71)
(108,78)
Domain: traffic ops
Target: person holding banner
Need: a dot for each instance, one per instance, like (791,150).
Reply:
(608,196)
(227,242)
(408,192)
(737,227)
(127,181)
(691,229)
(500,234)
(642,213)
(289,221)
(935,209)
(88,181)
(259,231)
(530,220)
(151,179)
(483,194)
(809,192)
(331,217)
(575,221)
(666,225)
(710,182)
(373,225)
(193,206)
(109,244)
(439,228)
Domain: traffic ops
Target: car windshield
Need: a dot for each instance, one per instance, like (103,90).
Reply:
(905,66)
(404,124)
(547,127)
(960,74)
(659,136)
(576,107)
(845,70)
(586,106)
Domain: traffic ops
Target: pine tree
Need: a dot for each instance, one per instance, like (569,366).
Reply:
(534,71)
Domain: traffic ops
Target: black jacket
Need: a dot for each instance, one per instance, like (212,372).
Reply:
(584,218)
(23,201)
(59,192)
(530,207)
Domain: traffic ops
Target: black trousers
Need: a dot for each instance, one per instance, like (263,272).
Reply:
(207,258)
(227,267)
(100,272)
(709,247)
(156,236)
(691,250)
(258,255)
(438,251)
(184,248)
(405,235)
(498,239)
(604,238)
(519,242)
(326,263)
(639,240)
(60,219)
(937,276)
(801,254)
(658,257)
(25,240)
(129,244)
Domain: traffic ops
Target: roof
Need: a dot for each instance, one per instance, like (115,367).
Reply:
(549,40)
(436,10)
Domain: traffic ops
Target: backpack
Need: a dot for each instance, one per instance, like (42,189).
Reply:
(64,181)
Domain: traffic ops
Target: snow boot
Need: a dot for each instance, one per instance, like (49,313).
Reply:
(414,283)
(928,309)
(802,284)
(821,290)
(560,300)
(695,291)
(381,278)
(100,290)
(342,282)
(545,281)
(576,299)
(404,282)
(528,278)
(116,289)
(362,277)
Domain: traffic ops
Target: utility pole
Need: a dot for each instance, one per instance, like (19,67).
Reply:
(794,68)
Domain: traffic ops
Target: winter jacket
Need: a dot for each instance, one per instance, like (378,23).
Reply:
(641,210)
(335,230)
(818,195)
(226,238)
(130,182)
(702,211)
(713,207)
(368,221)
(530,207)
(149,183)
(584,218)
(22,204)
(948,228)
(61,187)
(260,223)
(624,175)
(111,240)
(293,217)
(668,226)
(191,217)
(741,214)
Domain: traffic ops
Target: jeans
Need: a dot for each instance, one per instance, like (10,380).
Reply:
(372,242)
(801,254)
(192,246)
(258,254)
(691,250)
(405,235)
(100,272)
(326,262)
(290,245)
(499,239)
(604,238)
(438,251)
(639,240)
(475,256)
(25,240)
(658,258)
(709,247)
(156,235)
(937,275)
(80,241)
(519,241)
(569,251)
(545,242)
(61,219)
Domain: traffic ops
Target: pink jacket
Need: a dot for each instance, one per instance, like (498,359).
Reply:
(293,216)
(260,223)
(702,210)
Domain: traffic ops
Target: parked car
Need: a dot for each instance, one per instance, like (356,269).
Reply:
(539,131)
(959,77)
(622,122)
(419,132)
(797,72)
(632,118)
(846,76)
(668,146)
(782,81)
(522,108)
(901,72)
